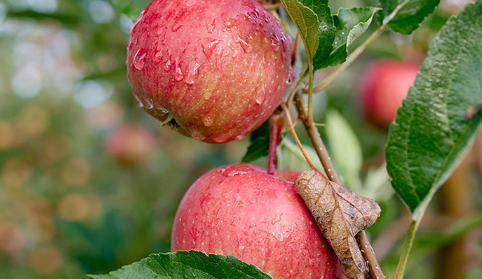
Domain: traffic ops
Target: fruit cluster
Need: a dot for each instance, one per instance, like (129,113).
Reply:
(215,73)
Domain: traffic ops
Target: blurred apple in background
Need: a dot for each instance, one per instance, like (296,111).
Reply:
(382,88)
(131,145)
(259,218)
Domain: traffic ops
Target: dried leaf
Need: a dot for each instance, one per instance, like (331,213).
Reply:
(340,214)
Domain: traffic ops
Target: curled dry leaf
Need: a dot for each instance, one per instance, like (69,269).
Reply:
(340,214)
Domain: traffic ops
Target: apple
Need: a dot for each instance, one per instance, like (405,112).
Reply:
(382,88)
(259,218)
(130,145)
(214,70)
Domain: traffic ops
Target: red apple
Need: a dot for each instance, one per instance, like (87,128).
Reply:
(382,88)
(259,218)
(218,68)
(130,145)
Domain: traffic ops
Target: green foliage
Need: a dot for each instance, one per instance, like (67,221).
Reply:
(307,23)
(259,146)
(409,15)
(349,24)
(326,30)
(345,150)
(131,8)
(186,264)
(431,134)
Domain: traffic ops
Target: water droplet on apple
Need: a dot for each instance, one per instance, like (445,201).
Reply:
(219,59)
(245,45)
(197,134)
(207,94)
(192,72)
(291,76)
(222,138)
(275,43)
(253,14)
(157,57)
(140,59)
(242,136)
(176,27)
(149,104)
(178,72)
(210,27)
(261,95)
(208,121)
(209,46)
(138,101)
(229,23)
(283,43)
(168,65)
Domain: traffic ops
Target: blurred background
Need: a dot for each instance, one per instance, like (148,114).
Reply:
(89,182)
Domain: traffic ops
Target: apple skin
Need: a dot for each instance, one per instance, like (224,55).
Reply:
(382,88)
(219,69)
(241,210)
(130,145)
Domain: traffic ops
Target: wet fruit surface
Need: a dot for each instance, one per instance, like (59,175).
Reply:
(220,70)
(259,218)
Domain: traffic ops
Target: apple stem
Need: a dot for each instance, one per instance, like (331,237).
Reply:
(276,123)
(315,138)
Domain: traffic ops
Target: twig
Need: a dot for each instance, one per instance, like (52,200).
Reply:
(293,132)
(369,256)
(315,139)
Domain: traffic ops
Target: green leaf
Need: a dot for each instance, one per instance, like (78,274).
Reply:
(326,30)
(345,150)
(349,24)
(431,133)
(307,23)
(131,8)
(410,14)
(259,146)
(186,264)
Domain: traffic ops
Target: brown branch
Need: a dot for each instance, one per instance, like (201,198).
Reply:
(369,255)
(317,142)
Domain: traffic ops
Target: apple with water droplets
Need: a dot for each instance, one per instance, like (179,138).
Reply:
(213,70)
(259,218)
(382,88)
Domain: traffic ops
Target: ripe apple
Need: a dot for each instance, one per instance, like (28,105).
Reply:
(259,218)
(382,88)
(130,145)
(214,70)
